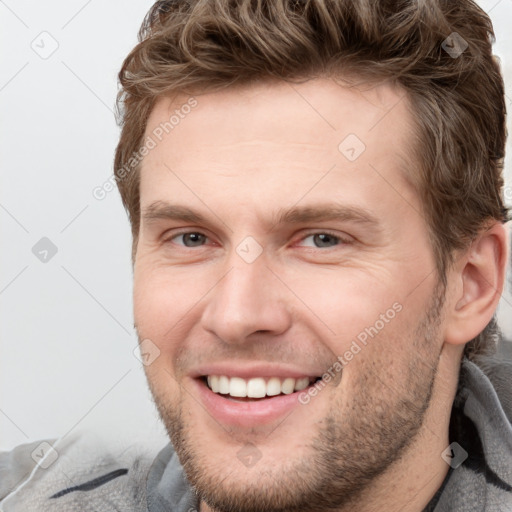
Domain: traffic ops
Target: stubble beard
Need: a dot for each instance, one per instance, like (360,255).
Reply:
(351,448)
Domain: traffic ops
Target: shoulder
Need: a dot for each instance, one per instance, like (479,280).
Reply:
(78,469)
(481,435)
(499,373)
(17,464)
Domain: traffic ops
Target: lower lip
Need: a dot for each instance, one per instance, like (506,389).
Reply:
(246,414)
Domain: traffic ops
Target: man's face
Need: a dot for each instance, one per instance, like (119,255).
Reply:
(264,289)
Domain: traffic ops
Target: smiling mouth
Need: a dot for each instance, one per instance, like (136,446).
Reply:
(258,388)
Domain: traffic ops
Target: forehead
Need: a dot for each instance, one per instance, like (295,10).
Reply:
(263,133)
(322,104)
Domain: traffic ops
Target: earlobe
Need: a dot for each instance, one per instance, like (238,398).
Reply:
(477,285)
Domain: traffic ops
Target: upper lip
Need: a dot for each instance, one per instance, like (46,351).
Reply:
(253,370)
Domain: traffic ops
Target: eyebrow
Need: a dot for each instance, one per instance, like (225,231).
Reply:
(161,210)
(303,214)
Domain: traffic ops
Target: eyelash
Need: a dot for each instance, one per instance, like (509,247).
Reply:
(342,241)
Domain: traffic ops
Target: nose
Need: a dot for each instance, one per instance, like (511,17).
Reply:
(249,299)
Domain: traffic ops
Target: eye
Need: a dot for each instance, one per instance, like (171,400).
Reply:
(189,238)
(324,239)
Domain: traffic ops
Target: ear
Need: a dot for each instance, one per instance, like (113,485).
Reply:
(477,280)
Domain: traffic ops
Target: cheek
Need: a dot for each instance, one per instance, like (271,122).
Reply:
(162,298)
(157,308)
(367,321)
(346,301)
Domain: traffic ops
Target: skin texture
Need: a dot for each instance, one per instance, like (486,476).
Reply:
(372,437)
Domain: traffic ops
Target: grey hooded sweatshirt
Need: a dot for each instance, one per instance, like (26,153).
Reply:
(90,476)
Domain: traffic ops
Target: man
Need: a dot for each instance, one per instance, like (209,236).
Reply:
(319,248)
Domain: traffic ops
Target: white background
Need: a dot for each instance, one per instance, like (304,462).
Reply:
(66,328)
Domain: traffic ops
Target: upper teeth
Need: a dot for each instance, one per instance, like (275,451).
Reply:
(257,387)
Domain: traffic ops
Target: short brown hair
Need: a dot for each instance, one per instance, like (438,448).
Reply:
(457,96)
